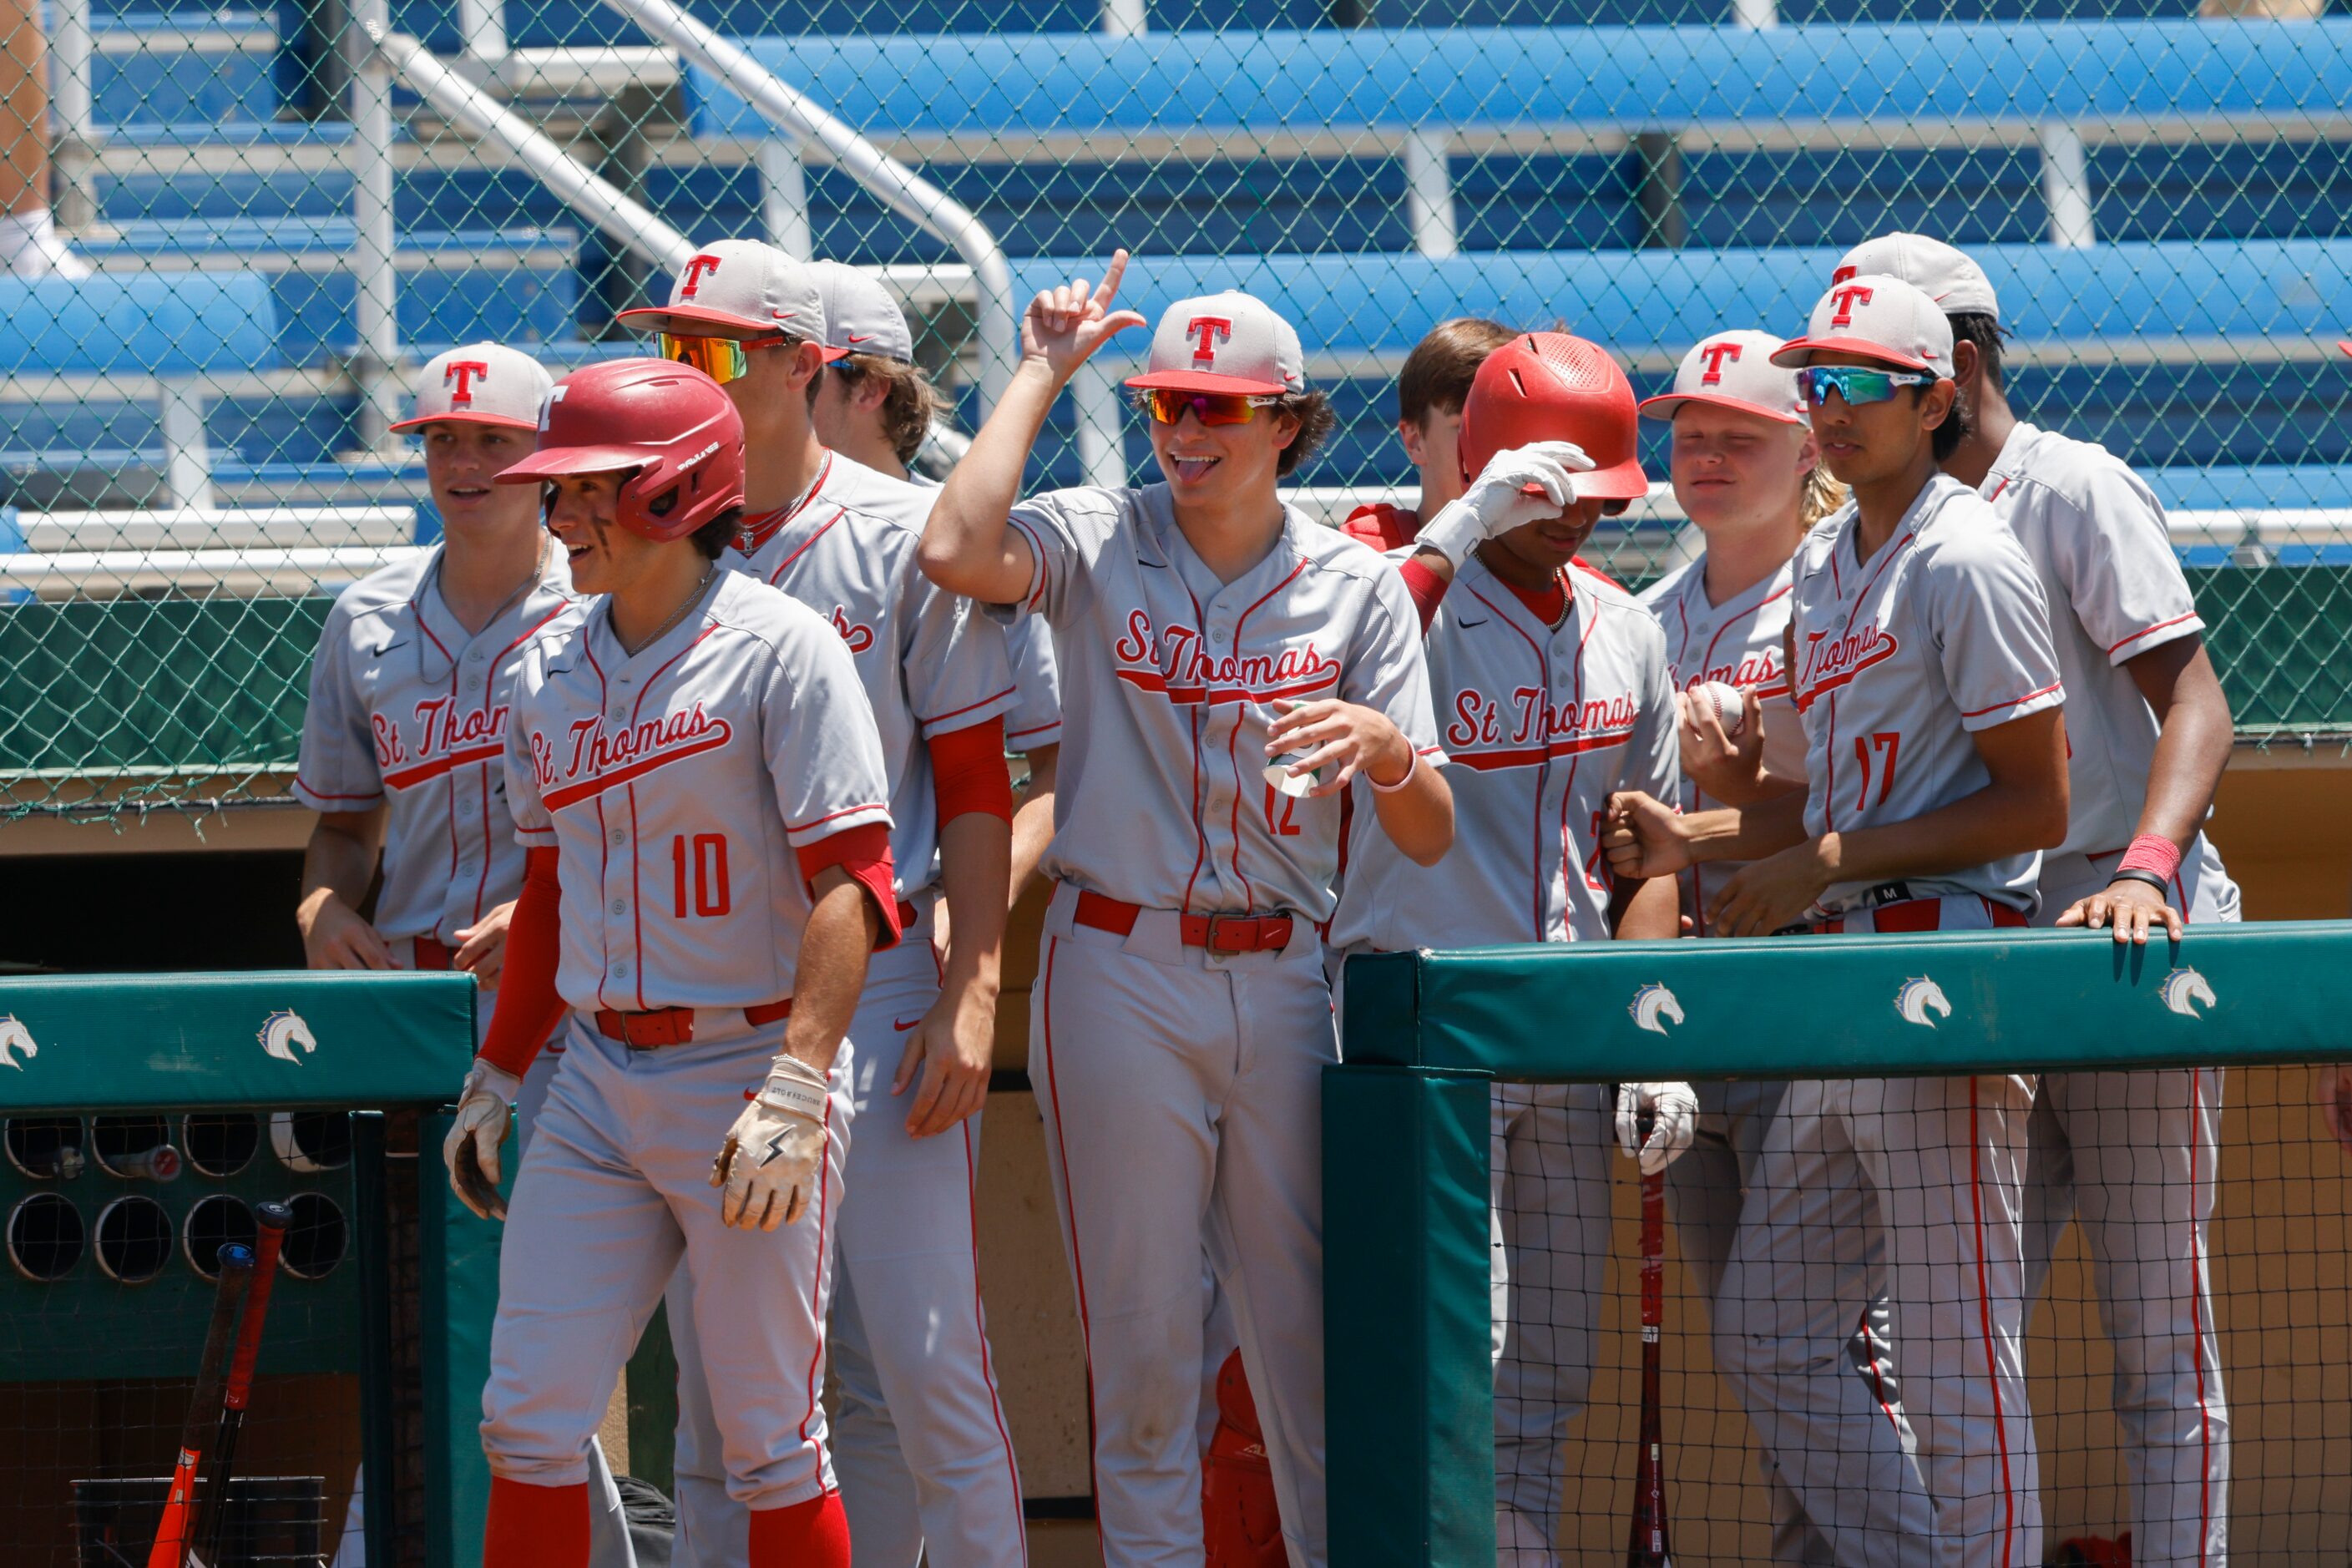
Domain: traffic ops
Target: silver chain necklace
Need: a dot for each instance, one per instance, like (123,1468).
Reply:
(678,614)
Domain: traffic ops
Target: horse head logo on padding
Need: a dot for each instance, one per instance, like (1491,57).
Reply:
(2183,989)
(282,1031)
(1652,1002)
(1917,997)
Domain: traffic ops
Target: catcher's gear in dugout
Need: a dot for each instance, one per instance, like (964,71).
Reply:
(485,1110)
(669,426)
(773,1155)
(1550,386)
(1239,1521)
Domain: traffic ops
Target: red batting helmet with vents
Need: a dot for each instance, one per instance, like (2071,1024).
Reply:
(1550,386)
(668,424)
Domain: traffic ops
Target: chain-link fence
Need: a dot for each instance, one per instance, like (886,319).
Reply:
(259,221)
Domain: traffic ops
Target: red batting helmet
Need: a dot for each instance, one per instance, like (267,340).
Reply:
(668,424)
(1550,386)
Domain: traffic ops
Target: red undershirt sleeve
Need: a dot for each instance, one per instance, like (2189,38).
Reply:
(968,773)
(864,853)
(528,1008)
(1426,589)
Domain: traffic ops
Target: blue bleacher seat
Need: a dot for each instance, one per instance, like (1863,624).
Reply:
(163,324)
(162,69)
(2101,335)
(1090,89)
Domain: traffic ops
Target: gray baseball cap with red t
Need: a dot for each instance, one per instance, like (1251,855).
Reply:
(1225,343)
(737,288)
(1945,275)
(1733,370)
(479,384)
(1875,317)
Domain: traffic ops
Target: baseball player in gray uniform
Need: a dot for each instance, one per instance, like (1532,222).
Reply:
(1929,692)
(2130,1155)
(920,1439)
(1554,691)
(1748,473)
(1180,1021)
(404,738)
(697,776)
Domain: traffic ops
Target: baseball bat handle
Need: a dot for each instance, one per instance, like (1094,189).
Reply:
(1646,1545)
(270,1220)
(176,1529)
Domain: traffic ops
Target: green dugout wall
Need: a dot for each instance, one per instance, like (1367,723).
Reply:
(1405,1124)
(358,1044)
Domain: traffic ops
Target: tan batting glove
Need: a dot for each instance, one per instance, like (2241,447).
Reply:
(1673,1110)
(770,1162)
(485,1109)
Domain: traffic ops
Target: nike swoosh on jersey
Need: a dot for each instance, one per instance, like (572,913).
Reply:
(903,1025)
(1466,625)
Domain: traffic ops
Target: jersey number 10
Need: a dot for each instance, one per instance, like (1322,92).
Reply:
(703,860)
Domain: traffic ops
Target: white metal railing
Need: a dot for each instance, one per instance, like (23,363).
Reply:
(377,54)
(73,107)
(472,109)
(996,318)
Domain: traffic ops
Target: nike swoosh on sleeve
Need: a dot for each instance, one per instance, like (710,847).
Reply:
(903,1025)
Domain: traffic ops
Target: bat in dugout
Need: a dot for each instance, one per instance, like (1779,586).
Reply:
(175,1534)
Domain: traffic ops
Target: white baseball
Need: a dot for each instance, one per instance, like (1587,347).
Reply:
(1731,708)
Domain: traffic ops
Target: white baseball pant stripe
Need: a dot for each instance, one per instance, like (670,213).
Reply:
(1936,1168)
(1548,1147)
(1706,1191)
(613,1198)
(918,1436)
(2131,1157)
(1182,1095)
(608,1521)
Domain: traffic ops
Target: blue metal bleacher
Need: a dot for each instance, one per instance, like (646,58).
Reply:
(1270,158)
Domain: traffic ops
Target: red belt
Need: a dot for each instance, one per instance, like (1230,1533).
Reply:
(907,915)
(673,1025)
(427,952)
(1218,933)
(1918,914)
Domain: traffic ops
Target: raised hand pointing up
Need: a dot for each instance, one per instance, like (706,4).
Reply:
(1066,323)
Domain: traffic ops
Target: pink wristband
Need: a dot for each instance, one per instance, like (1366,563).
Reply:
(2151,852)
(1379,788)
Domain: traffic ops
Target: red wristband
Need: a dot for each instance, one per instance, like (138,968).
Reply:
(2151,852)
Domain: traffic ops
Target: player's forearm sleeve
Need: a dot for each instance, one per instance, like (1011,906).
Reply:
(1428,590)
(968,773)
(528,1008)
(864,853)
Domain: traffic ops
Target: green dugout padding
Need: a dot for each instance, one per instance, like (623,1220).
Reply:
(1404,1131)
(300,1040)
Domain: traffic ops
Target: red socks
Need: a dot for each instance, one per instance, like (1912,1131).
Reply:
(547,1526)
(544,1527)
(811,1534)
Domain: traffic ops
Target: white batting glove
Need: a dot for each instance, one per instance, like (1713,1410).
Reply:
(471,1151)
(1673,1109)
(773,1155)
(1498,500)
